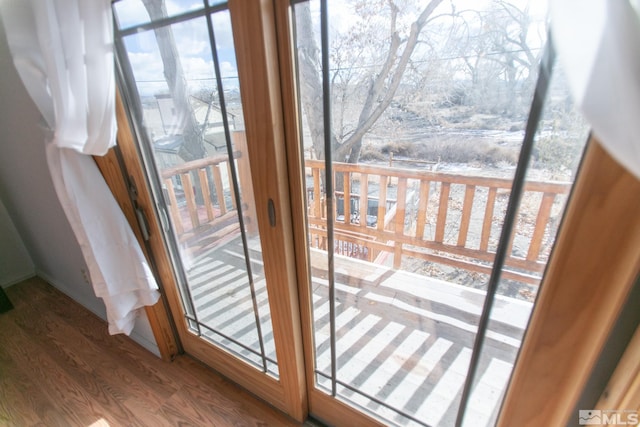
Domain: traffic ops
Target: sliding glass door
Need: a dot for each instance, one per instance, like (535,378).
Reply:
(428,233)
(359,199)
(201,146)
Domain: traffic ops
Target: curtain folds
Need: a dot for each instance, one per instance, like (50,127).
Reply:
(599,46)
(63,51)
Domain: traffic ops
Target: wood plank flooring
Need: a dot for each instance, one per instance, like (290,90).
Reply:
(59,367)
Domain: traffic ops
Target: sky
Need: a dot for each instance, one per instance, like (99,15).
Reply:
(192,42)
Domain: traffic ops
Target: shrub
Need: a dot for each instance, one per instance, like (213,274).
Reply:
(558,153)
(369,153)
(399,148)
(466,152)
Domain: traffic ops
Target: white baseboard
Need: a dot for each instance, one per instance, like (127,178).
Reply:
(17,279)
(64,289)
(135,336)
(144,342)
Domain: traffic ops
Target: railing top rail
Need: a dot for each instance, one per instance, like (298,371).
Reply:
(197,164)
(481,181)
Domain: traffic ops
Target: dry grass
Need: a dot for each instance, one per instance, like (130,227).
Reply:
(445,151)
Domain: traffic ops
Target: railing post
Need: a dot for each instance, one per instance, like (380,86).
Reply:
(244,178)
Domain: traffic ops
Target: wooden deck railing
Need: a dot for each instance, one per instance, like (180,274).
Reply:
(201,198)
(443,218)
(198,188)
(384,212)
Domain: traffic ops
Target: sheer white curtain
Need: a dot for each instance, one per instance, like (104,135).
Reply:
(63,51)
(598,43)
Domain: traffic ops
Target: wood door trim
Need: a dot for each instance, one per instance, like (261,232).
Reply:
(591,271)
(250,378)
(321,404)
(297,183)
(254,33)
(132,161)
(159,318)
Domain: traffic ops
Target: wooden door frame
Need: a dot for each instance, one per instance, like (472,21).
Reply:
(111,169)
(592,267)
(337,412)
(254,33)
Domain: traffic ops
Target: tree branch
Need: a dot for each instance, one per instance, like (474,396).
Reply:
(367,122)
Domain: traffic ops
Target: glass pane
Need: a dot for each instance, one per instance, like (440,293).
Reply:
(423,154)
(557,152)
(192,116)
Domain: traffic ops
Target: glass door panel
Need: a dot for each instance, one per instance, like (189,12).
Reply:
(413,120)
(558,149)
(181,74)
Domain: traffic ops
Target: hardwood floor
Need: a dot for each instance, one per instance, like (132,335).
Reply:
(59,367)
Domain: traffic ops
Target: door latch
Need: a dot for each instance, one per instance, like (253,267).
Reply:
(272,212)
(142,223)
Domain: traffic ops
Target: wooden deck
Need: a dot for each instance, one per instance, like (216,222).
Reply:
(403,338)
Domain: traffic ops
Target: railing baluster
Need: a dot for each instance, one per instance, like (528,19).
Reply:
(217,179)
(316,193)
(541,225)
(467,207)
(234,202)
(204,186)
(187,186)
(442,211)
(401,207)
(346,199)
(173,207)
(423,203)
(382,201)
(488,219)
(364,199)
(515,231)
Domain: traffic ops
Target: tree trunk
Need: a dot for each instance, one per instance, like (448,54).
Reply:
(382,85)
(193,145)
(310,80)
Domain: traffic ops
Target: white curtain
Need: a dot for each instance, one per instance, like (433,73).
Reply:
(598,42)
(63,51)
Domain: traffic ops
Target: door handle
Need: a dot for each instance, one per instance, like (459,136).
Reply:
(272,212)
(142,223)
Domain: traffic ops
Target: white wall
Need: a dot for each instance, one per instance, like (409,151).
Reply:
(15,262)
(28,194)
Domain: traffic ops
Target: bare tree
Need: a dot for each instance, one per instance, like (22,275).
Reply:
(381,84)
(193,146)
(496,48)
